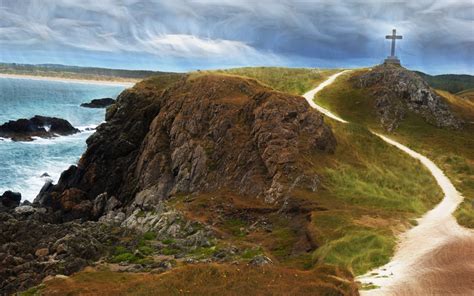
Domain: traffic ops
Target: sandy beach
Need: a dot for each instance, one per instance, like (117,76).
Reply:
(69,80)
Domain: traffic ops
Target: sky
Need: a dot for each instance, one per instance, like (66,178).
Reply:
(180,35)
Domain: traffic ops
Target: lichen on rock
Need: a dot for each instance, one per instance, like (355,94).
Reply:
(398,90)
(201,134)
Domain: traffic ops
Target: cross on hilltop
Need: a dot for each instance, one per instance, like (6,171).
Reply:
(392,59)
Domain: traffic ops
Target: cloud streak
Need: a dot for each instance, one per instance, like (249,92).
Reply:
(229,32)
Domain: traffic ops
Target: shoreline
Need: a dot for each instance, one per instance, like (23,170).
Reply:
(68,80)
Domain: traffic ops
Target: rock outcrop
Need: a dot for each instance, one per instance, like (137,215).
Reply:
(32,248)
(99,103)
(197,136)
(398,90)
(201,134)
(38,126)
(10,199)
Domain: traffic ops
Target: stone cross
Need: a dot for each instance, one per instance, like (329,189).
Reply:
(392,59)
(393,37)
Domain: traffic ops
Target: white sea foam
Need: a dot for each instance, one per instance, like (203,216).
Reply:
(87,128)
(23,163)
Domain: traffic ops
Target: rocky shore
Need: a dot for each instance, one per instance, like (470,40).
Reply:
(37,126)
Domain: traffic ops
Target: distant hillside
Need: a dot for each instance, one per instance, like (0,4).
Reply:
(54,70)
(291,80)
(449,82)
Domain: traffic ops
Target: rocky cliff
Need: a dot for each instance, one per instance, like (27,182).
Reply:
(201,134)
(199,169)
(398,90)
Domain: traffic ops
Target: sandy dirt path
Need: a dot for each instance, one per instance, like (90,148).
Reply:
(436,257)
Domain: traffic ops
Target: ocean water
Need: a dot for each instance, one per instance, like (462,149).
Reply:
(23,163)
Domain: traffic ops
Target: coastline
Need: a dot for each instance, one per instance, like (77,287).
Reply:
(68,80)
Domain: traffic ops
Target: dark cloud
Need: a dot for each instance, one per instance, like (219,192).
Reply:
(438,34)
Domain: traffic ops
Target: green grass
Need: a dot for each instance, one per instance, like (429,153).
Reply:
(452,151)
(146,250)
(169,251)
(204,252)
(352,104)
(291,80)
(370,173)
(125,257)
(168,241)
(355,247)
(33,291)
(150,235)
(369,189)
(359,250)
(123,254)
(235,226)
(249,253)
(285,239)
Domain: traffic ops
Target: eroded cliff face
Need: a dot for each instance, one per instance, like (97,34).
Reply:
(398,90)
(203,133)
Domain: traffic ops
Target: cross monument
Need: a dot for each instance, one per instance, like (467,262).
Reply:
(392,59)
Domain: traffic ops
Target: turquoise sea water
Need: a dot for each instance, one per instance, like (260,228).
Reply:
(23,163)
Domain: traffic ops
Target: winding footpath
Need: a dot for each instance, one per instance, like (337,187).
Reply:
(436,257)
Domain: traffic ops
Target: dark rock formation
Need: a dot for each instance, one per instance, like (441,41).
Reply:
(10,199)
(32,248)
(199,135)
(398,90)
(99,103)
(38,126)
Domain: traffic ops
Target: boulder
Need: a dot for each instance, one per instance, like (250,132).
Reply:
(38,126)
(24,210)
(42,252)
(260,260)
(99,103)
(10,199)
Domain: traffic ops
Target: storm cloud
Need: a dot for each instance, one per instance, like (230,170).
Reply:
(438,35)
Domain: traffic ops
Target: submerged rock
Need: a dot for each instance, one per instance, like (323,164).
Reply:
(38,126)
(99,103)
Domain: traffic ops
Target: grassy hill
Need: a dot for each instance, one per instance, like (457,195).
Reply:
(452,150)
(74,72)
(449,82)
(291,80)
(367,200)
(369,192)
(467,94)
